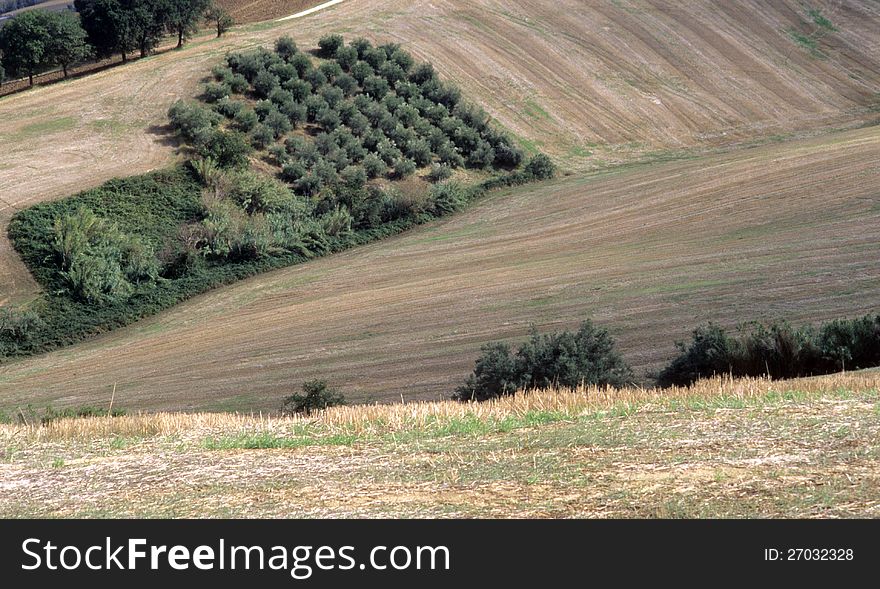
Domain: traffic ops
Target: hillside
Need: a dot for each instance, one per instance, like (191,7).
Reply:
(754,449)
(589,83)
(783,230)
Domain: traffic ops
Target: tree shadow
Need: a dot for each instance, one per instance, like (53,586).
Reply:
(165,135)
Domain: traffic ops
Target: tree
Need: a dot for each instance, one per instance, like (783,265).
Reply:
(67,40)
(218,16)
(315,397)
(121,26)
(567,359)
(182,17)
(24,42)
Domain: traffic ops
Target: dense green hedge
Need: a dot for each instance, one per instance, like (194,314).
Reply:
(587,356)
(777,350)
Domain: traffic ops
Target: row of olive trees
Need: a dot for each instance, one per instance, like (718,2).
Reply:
(39,40)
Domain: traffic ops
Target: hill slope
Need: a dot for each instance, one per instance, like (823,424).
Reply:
(588,82)
(784,230)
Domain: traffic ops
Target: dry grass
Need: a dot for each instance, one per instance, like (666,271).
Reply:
(745,448)
(367,420)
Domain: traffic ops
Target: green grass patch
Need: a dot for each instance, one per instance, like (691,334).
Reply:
(41,128)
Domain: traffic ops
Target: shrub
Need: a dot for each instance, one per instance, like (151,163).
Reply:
(777,350)
(262,136)
(540,167)
(346,57)
(246,118)
(361,71)
(228,148)
(215,91)
(439,172)
(373,166)
(228,107)
(286,47)
(299,89)
(190,120)
(238,84)
(565,359)
(376,87)
(315,396)
(404,167)
(278,122)
(329,45)
(347,84)
(331,70)
(447,198)
(302,63)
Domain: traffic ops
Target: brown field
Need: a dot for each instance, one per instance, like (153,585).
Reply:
(785,229)
(248,11)
(746,448)
(591,83)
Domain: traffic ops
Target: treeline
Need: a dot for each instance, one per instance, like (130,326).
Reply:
(588,357)
(39,40)
(777,350)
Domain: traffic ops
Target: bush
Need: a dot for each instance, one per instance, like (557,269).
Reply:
(286,47)
(566,359)
(246,118)
(540,167)
(439,172)
(190,120)
(777,350)
(229,149)
(404,167)
(346,57)
(329,45)
(215,91)
(315,397)
(374,166)
(447,198)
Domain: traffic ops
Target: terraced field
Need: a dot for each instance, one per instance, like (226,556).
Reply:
(788,228)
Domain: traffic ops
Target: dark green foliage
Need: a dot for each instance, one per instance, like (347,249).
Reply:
(315,396)
(230,149)
(192,121)
(286,47)
(564,359)
(219,18)
(777,350)
(376,86)
(215,91)
(447,198)
(37,40)
(540,167)
(346,57)
(329,44)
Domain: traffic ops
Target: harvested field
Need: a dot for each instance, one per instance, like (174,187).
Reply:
(806,448)
(248,11)
(783,230)
(591,83)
